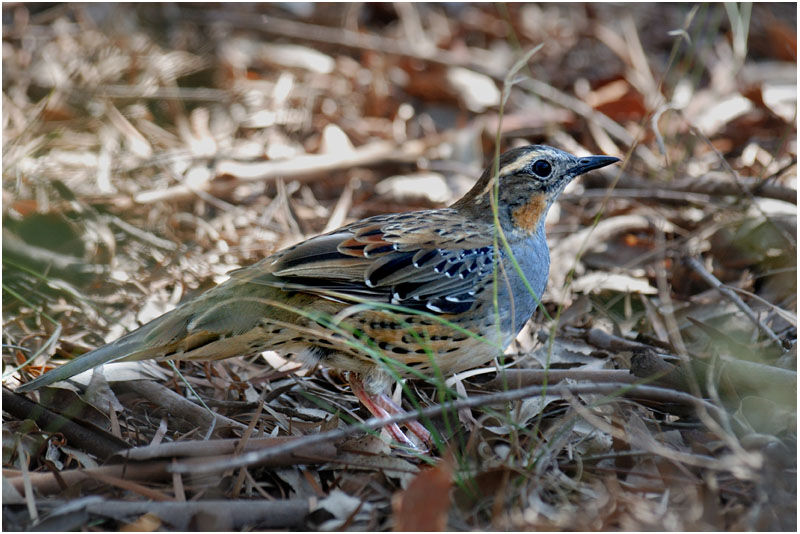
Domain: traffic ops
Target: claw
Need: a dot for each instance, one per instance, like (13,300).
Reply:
(382,407)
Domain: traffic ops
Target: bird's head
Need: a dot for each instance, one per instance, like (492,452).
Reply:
(528,181)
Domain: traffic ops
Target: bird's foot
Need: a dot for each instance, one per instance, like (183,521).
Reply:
(382,406)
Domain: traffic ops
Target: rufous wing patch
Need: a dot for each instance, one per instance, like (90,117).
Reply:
(351,247)
(527,216)
(364,247)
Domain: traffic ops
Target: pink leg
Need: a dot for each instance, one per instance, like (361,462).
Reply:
(385,401)
(381,406)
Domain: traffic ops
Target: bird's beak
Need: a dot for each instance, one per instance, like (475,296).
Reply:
(591,163)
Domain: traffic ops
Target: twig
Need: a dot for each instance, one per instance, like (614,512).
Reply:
(217,447)
(55,261)
(305,167)
(667,306)
(606,341)
(140,234)
(179,406)
(185,94)
(341,209)
(47,483)
(199,452)
(177,486)
(664,196)
(100,444)
(713,281)
(312,165)
(528,377)
(30,498)
(227,514)
(243,442)
(786,315)
(711,184)
(251,458)
(129,485)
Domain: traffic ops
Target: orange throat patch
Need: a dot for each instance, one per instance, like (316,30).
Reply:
(527,216)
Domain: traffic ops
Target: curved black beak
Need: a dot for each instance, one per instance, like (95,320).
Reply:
(591,163)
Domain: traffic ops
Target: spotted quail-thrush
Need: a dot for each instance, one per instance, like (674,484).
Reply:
(386,296)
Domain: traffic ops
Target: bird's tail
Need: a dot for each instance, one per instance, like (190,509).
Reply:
(128,346)
(136,345)
(198,329)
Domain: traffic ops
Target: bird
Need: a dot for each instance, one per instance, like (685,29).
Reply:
(383,298)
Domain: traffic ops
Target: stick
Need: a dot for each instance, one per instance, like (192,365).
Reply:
(495,398)
(713,281)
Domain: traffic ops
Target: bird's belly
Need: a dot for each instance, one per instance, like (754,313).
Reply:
(406,344)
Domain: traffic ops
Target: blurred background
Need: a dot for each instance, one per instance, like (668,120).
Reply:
(148,149)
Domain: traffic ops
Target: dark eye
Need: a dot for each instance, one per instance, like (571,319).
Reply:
(541,168)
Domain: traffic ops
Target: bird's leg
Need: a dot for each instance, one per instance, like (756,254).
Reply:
(385,401)
(381,406)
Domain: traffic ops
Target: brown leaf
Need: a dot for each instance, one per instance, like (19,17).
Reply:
(145,523)
(782,41)
(424,505)
(618,100)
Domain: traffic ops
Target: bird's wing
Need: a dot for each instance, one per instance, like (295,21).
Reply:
(425,260)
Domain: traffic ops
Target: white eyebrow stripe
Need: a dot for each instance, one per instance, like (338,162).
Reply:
(510,168)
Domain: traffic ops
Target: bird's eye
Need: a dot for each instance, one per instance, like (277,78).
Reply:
(541,168)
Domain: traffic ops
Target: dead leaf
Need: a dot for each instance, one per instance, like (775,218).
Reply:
(145,523)
(619,100)
(623,283)
(429,185)
(424,505)
(477,90)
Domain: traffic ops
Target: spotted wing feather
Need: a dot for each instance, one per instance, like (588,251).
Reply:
(393,261)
